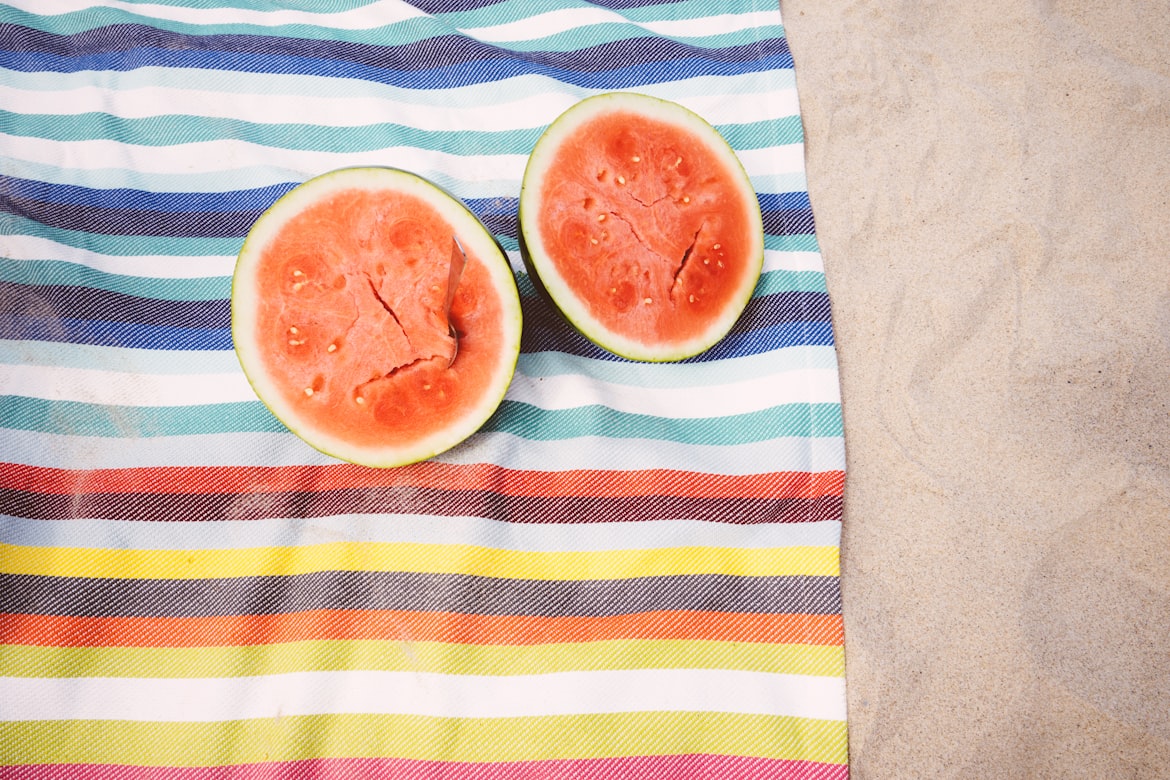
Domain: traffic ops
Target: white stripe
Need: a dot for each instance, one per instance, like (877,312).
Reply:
(92,386)
(572,19)
(750,395)
(275,108)
(564,391)
(364,18)
(211,156)
(356,110)
(776,260)
(66,451)
(759,86)
(422,693)
(412,529)
(790,453)
(26,247)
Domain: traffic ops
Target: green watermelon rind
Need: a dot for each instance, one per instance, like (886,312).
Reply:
(543,271)
(476,239)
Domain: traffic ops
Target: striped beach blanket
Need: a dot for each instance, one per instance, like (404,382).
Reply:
(630,572)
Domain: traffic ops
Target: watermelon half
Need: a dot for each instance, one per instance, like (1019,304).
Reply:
(642,227)
(359,325)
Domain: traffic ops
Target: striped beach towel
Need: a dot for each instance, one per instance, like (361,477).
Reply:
(630,572)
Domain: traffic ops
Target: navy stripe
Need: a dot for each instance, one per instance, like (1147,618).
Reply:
(789,222)
(112,334)
(544,331)
(439,62)
(115,221)
(435,7)
(60,302)
(54,302)
(140,336)
(783,201)
(427,54)
(257,198)
(771,322)
(497,214)
(155,507)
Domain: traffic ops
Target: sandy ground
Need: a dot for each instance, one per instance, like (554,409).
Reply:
(991,183)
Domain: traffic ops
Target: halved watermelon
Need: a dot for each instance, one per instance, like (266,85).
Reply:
(641,225)
(344,298)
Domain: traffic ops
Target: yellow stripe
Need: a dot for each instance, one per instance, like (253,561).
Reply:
(400,656)
(298,738)
(423,558)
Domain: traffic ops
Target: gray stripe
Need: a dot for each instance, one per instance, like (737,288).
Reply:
(408,591)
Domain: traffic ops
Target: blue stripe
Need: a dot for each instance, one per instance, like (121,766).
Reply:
(131,199)
(467,74)
(435,63)
(112,334)
(144,336)
(497,214)
(735,344)
(437,51)
(26,303)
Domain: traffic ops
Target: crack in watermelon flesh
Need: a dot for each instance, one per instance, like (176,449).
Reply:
(359,322)
(646,226)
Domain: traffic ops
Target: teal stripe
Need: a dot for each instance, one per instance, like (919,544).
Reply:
(785,281)
(127,359)
(519,419)
(409,529)
(72,274)
(404,32)
(72,418)
(269,449)
(515,10)
(179,247)
(763,135)
(532,423)
(796,243)
(174,129)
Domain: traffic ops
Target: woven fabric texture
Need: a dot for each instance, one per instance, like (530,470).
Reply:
(630,572)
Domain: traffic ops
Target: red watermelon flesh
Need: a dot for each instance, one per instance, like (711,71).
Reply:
(341,323)
(642,226)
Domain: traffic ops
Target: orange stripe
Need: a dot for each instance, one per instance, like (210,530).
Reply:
(428,474)
(59,631)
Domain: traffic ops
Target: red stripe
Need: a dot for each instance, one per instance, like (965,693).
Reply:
(428,474)
(248,630)
(678,767)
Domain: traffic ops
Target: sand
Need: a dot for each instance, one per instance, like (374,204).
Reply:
(991,183)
